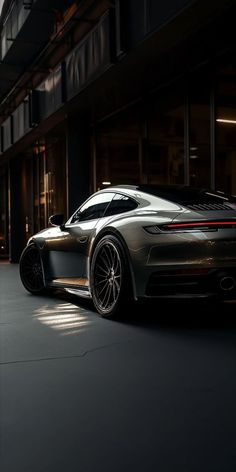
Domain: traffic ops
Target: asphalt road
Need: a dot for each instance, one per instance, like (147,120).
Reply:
(155,392)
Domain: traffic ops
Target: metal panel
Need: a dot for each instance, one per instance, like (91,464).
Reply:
(18,123)
(14,20)
(50,93)
(23,13)
(89,58)
(27,125)
(12,25)
(3,42)
(34,108)
(57,86)
(21,123)
(7,133)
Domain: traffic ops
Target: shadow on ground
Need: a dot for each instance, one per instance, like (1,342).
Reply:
(183,315)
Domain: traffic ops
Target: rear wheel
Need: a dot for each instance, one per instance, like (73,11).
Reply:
(31,270)
(109,277)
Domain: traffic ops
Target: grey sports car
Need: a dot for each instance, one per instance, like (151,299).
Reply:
(132,242)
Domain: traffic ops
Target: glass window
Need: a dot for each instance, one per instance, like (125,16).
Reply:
(226,129)
(199,152)
(55,177)
(117,149)
(163,150)
(94,208)
(49,177)
(120,204)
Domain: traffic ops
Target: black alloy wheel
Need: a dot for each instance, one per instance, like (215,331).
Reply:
(31,270)
(109,277)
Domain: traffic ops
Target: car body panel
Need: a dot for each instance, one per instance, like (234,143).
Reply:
(67,251)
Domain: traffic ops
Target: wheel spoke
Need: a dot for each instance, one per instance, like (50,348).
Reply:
(117,284)
(102,269)
(105,296)
(100,282)
(107,276)
(107,255)
(116,263)
(104,262)
(114,291)
(103,288)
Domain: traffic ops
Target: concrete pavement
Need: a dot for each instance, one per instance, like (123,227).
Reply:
(79,393)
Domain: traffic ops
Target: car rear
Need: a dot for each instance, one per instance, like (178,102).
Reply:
(196,254)
(192,254)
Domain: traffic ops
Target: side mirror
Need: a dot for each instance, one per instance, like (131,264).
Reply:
(56,220)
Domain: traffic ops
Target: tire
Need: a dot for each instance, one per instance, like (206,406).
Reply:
(109,277)
(31,271)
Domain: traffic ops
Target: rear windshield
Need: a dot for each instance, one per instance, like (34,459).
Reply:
(184,195)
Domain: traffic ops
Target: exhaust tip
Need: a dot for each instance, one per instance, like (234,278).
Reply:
(227,283)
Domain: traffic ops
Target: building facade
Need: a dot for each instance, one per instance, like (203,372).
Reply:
(104,92)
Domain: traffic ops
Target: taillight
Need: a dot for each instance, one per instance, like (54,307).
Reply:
(193,226)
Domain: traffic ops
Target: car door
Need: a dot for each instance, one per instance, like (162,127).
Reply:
(68,251)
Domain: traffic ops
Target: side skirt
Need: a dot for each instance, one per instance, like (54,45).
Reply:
(76,286)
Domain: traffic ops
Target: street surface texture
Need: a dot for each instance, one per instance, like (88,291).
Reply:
(153,392)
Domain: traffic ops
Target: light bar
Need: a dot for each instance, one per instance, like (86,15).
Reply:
(198,224)
(222,120)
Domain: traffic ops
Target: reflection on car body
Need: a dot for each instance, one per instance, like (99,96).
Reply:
(132,242)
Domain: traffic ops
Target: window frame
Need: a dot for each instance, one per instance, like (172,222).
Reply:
(122,195)
(72,219)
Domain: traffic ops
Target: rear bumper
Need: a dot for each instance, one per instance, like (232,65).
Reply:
(217,282)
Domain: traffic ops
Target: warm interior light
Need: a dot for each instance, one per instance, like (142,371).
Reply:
(106,183)
(223,120)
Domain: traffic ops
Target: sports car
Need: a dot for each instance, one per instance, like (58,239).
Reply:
(131,242)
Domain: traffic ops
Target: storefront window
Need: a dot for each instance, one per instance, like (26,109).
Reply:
(226,130)
(27,196)
(144,144)
(117,150)
(55,176)
(49,179)
(38,185)
(163,159)
(199,127)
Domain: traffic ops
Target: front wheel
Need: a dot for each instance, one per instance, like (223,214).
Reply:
(31,270)
(109,277)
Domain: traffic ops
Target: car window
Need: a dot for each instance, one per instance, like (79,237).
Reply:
(120,204)
(94,208)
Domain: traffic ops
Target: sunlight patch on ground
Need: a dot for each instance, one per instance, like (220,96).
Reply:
(63,317)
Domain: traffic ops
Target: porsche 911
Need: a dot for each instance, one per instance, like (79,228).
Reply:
(138,242)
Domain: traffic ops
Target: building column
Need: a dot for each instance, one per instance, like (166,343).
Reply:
(16,211)
(78,163)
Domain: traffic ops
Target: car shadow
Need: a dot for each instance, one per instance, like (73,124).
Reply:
(201,322)
(178,315)
(189,314)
